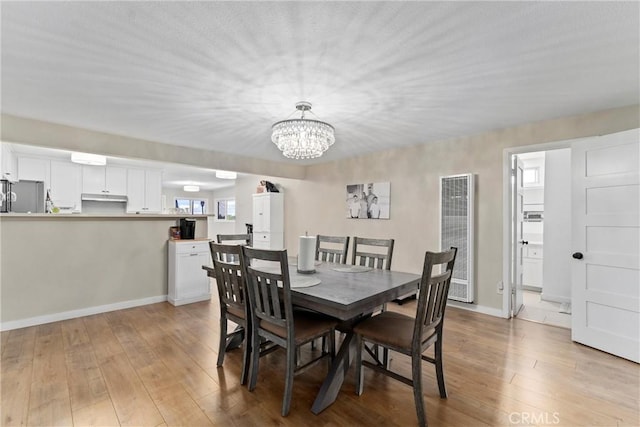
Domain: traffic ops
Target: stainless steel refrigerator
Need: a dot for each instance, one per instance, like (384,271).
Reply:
(29,197)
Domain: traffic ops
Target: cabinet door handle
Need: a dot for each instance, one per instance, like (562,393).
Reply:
(193,254)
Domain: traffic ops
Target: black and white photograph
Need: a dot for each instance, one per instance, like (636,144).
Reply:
(368,201)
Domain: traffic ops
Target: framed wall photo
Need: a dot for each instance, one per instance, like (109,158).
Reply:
(368,201)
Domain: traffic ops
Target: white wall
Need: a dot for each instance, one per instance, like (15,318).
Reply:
(556,272)
(314,201)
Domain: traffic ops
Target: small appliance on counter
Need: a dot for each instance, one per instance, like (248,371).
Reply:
(22,196)
(187,228)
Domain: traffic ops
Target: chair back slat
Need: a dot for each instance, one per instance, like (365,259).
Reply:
(229,277)
(336,252)
(234,239)
(434,289)
(367,257)
(268,286)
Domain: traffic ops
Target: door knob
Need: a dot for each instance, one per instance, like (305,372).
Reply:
(524,242)
(577,255)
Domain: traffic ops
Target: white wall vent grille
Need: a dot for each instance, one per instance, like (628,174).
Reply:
(457,229)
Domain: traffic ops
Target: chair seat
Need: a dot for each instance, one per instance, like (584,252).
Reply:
(307,325)
(390,328)
(238,312)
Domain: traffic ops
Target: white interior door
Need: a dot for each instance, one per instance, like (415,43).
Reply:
(517,237)
(606,241)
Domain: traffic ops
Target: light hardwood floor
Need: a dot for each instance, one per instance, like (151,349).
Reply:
(156,365)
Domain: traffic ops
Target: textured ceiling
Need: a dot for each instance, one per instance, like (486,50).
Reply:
(217,75)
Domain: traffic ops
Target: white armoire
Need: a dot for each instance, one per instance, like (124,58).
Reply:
(268,221)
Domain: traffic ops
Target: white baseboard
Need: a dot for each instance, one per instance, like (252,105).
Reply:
(496,312)
(65,315)
(183,301)
(554,298)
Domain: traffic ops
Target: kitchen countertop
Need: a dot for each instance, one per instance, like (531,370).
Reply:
(97,216)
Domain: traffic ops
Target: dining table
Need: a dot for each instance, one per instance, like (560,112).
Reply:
(349,293)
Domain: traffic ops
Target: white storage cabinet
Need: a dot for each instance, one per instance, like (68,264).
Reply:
(188,282)
(268,221)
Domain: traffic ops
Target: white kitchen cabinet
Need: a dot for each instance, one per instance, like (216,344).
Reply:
(144,191)
(153,191)
(34,169)
(104,180)
(188,282)
(66,185)
(7,163)
(268,220)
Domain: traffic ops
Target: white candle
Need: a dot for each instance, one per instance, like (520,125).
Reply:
(307,254)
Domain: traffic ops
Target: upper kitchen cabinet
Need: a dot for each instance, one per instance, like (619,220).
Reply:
(34,169)
(7,163)
(66,185)
(104,180)
(144,191)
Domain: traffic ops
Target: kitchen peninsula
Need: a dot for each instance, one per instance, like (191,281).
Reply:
(59,266)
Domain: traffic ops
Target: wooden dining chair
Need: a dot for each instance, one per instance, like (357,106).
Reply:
(233,302)
(412,335)
(273,317)
(332,248)
(374,253)
(235,239)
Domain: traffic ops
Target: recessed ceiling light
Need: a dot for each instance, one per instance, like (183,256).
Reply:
(191,188)
(88,159)
(226,175)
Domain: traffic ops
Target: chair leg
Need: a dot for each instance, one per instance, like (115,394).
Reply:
(416,373)
(246,356)
(222,346)
(359,371)
(288,385)
(255,360)
(439,368)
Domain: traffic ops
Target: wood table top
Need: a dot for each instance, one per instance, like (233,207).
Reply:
(346,295)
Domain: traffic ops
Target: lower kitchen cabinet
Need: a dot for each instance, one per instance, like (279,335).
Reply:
(188,282)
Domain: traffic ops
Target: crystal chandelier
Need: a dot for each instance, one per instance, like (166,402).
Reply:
(302,138)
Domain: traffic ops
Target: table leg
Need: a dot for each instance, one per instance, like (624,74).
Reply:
(333,382)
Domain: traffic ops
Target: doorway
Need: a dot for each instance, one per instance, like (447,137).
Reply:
(538,234)
(601,237)
(545,285)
